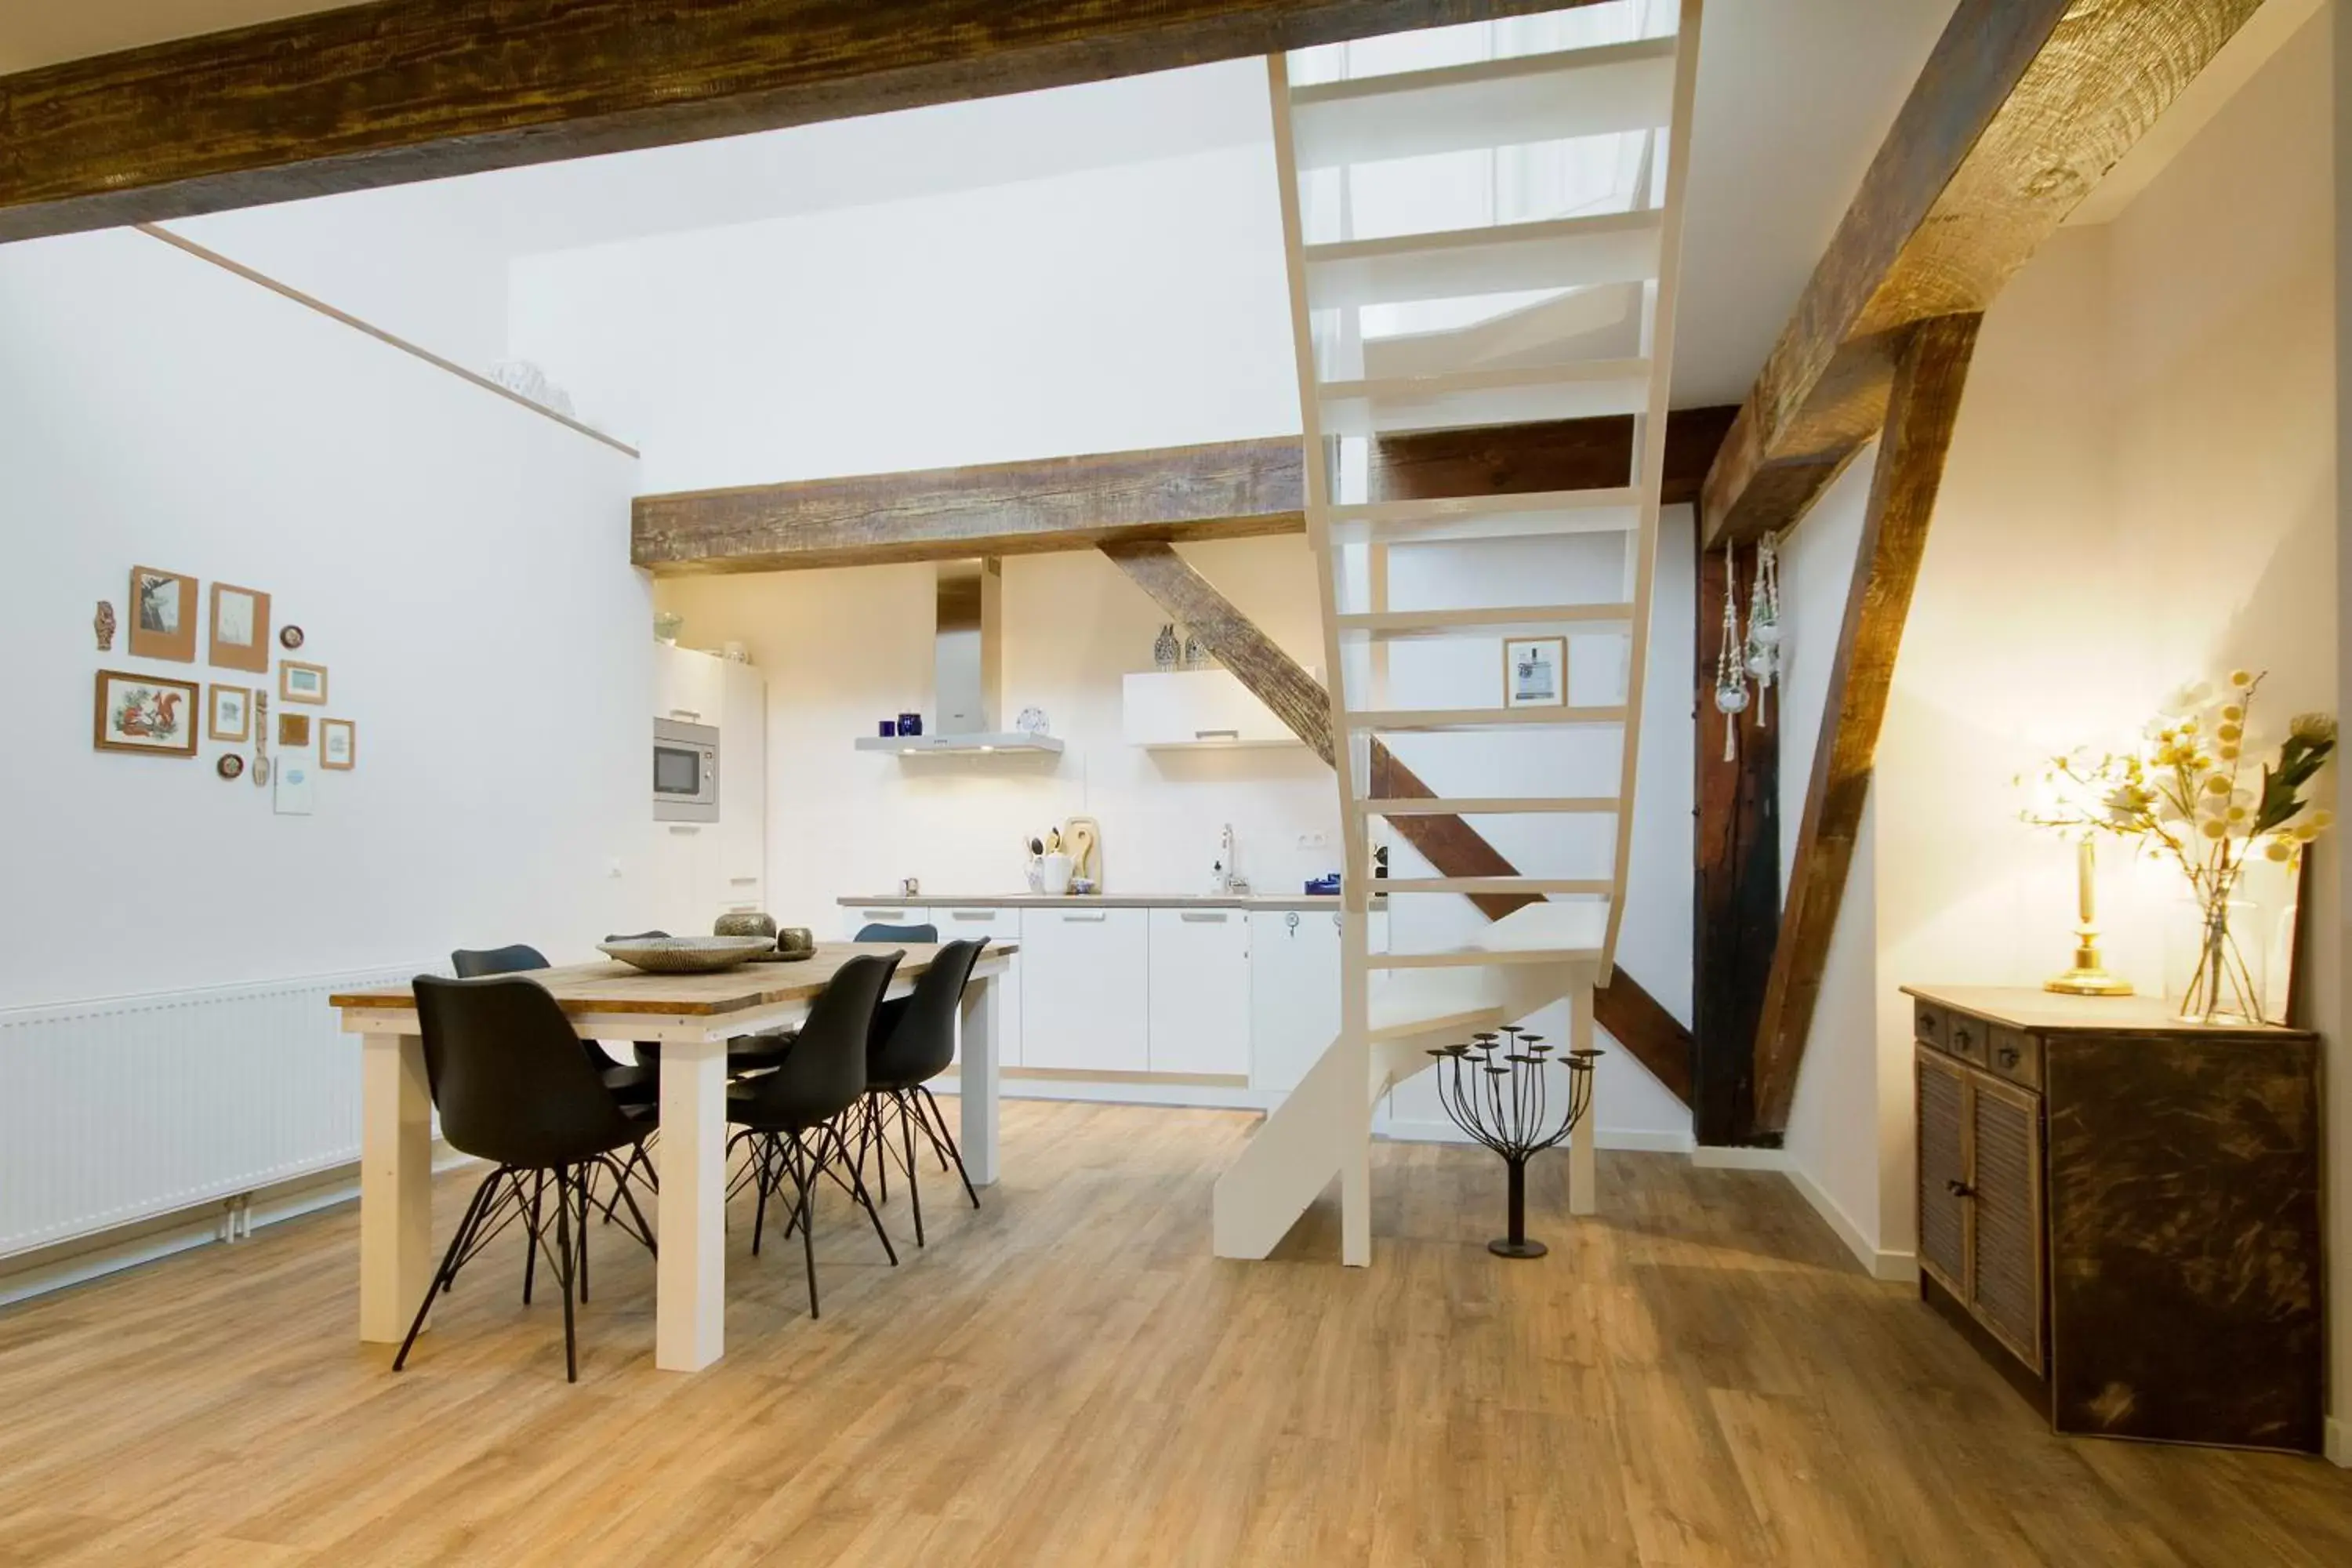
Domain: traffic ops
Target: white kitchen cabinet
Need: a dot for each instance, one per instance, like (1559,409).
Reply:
(1200,1002)
(1085,1002)
(1198,708)
(742,787)
(687,883)
(688,685)
(1293,990)
(1002,927)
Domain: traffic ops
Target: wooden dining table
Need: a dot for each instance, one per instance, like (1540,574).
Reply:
(692,1017)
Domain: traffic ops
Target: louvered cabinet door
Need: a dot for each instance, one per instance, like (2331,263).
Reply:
(1943,1130)
(2004,1135)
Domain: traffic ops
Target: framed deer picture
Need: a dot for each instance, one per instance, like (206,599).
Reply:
(146,713)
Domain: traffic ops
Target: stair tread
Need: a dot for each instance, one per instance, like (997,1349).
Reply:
(1457,518)
(1488,103)
(1513,884)
(1576,389)
(1482,806)
(1394,720)
(1512,258)
(1383,625)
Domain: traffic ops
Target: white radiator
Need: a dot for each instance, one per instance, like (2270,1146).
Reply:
(126,1107)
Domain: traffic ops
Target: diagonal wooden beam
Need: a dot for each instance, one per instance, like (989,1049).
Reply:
(1631,1017)
(2023,105)
(1931,368)
(1224,490)
(400,90)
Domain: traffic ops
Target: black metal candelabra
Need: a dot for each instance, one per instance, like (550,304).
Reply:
(1506,1103)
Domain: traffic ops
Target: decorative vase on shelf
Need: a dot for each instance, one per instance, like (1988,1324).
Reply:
(2213,963)
(668,623)
(1165,649)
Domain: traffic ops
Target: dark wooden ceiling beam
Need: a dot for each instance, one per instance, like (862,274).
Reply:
(1227,489)
(1223,490)
(1930,369)
(400,90)
(2023,106)
(1632,1018)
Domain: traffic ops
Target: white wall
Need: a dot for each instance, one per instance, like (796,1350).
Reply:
(459,565)
(1109,309)
(2140,492)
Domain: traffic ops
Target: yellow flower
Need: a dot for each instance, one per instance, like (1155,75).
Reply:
(2323,819)
(2228,732)
(2189,726)
(2217,784)
(2278,851)
(2241,678)
(2233,714)
(2237,813)
(2213,828)
(2229,753)
(2306,834)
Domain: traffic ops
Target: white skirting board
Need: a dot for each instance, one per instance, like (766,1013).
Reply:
(124,1109)
(1902,1268)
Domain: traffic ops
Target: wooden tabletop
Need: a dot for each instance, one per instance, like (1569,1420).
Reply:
(585,988)
(2026,1007)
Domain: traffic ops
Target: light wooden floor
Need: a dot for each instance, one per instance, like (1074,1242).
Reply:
(1698,1376)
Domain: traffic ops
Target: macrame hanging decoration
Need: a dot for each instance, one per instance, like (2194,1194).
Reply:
(1730,679)
(1763,654)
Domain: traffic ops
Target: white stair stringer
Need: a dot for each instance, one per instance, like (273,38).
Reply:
(1394,252)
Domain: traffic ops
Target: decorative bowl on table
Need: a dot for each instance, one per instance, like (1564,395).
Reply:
(685,955)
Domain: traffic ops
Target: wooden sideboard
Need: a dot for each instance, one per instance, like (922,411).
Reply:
(2123,1211)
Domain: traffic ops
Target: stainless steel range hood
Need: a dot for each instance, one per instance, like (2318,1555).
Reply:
(966,671)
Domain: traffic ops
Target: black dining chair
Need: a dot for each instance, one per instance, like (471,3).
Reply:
(789,1115)
(512,1087)
(925,934)
(637,1085)
(914,1040)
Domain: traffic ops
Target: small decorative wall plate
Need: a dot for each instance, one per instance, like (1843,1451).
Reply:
(1032,722)
(290,637)
(230,765)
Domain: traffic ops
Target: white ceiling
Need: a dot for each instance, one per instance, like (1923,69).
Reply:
(43,32)
(1794,98)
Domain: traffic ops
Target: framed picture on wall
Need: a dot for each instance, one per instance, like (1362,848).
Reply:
(230,715)
(339,744)
(240,628)
(1535,672)
(163,615)
(293,731)
(299,682)
(145,713)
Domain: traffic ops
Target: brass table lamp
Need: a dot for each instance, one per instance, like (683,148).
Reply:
(2089,977)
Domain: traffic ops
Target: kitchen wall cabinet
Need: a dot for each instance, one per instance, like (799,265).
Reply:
(742,786)
(1183,708)
(689,685)
(1083,1005)
(704,870)
(1200,1000)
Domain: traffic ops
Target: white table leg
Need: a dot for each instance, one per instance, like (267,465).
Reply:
(1583,1178)
(690,1280)
(396,1184)
(978,1091)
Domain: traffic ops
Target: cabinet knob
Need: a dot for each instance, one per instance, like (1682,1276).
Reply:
(2009,1056)
(1960,1189)
(1961,1038)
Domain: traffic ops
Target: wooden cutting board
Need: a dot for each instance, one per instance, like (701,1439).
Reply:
(1083,839)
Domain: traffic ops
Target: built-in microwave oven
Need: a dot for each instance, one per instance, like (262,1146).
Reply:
(685,771)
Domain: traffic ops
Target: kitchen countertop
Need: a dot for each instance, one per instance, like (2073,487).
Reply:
(1105,901)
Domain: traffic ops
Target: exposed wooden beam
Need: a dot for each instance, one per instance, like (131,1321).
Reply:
(1561,455)
(1224,491)
(2023,105)
(1454,847)
(1227,489)
(1931,367)
(400,90)
(1736,906)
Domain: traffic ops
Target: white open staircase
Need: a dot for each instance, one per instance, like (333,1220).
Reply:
(1482,226)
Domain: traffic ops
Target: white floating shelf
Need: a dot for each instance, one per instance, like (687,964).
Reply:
(1198,709)
(1013,743)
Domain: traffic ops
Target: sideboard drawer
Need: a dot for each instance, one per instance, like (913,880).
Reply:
(1928,1022)
(1968,1038)
(2016,1056)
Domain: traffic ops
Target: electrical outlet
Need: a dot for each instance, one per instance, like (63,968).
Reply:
(1319,840)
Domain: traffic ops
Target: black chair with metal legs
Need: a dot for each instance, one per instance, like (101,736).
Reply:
(789,1115)
(924,934)
(512,1087)
(914,1040)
